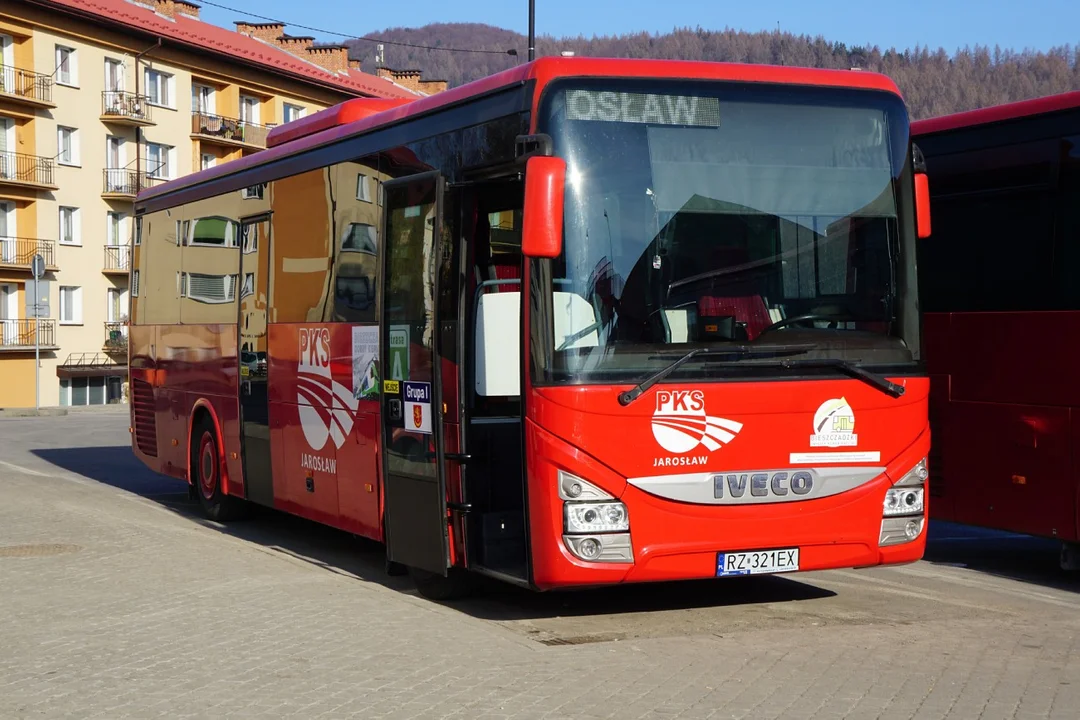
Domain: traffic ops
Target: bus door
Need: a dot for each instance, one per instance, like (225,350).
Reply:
(254,398)
(412,443)
(494,478)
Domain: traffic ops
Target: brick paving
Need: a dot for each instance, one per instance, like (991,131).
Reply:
(116,600)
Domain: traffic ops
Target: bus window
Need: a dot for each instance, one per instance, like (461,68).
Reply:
(302,247)
(356,191)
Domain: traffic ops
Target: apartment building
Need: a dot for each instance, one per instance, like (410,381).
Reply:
(99,99)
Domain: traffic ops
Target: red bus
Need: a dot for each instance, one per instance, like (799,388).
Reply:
(1000,303)
(715,369)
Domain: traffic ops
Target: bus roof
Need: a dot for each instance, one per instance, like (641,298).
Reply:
(355,117)
(997,113)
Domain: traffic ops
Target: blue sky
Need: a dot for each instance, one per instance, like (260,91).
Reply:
(1015,24)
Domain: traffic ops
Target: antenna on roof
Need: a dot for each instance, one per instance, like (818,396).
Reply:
(380,55)
(780,37)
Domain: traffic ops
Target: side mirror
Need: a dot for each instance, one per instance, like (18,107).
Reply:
(542,218)
(922,193)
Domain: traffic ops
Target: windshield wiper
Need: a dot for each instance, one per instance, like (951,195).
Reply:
(848,368)
(743,351)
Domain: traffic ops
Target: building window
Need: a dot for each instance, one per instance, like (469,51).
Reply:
(67,142)
(69,226)
(70,305)
(249,109)
(202,99)
(249,286)
(293,112)
(207,161)
(135,284)
(90,390)
(158,159)
(67,71)
(114,78)
(255,192)
(215,232)
(159,88)
(115,228)
(138,231)
(363,188)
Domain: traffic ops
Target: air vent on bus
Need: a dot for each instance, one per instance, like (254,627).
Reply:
(342,114)
(142,403)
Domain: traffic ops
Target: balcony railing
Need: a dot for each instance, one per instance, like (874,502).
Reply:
(21,251)
(126,181)
(117,258)
(26,85)
(121,106)
(229,130)
(20,334)
(116,337)
(27,169)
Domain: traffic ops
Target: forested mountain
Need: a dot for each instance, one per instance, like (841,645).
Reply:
(934,82)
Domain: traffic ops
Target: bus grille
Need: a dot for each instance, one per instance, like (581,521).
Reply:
(142,400)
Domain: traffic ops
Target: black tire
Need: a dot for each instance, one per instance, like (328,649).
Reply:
(205,467)
(457,584)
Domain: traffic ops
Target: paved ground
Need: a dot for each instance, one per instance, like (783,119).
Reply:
(116,600)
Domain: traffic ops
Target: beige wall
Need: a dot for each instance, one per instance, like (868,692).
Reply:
(37,33)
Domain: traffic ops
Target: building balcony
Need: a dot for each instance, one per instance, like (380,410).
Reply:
(20,335)
(125,183)
(26,87)
(117,260)
(116,337)
(18,253)
(228,131)
(124,108)
(29,171)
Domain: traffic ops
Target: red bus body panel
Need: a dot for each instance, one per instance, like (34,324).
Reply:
(1005,416)
(605,443)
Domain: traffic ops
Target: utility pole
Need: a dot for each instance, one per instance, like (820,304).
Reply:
(532,30)
(138,129)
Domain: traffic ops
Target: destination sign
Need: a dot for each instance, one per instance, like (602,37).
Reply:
(650,108)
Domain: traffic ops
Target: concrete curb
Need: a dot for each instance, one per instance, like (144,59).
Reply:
(31,412)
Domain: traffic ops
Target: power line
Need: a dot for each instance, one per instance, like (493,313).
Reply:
(511,51)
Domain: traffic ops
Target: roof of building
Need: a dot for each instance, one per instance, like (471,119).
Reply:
(198,34)
(998,113)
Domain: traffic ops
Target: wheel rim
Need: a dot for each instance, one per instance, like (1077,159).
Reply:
(207,466)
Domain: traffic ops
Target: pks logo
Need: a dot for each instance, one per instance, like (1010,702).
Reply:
(327,408)
(680,423)
(834,425)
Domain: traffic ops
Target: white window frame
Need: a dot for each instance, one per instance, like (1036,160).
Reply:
(203,165)
(70,75)
(253,192)
(73,159)
(297,110)
(363,187)
(121,229)
(164,85)
(76,225)
(210,108)
(121,75)
(255,105)
(71,315)
(228,287)
(164,152)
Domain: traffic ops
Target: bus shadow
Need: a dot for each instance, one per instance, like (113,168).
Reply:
(1024,558)
(342,553)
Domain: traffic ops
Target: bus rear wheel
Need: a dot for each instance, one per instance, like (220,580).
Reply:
(206,473)
(456,584)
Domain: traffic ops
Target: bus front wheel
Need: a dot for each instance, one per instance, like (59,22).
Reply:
(206,474)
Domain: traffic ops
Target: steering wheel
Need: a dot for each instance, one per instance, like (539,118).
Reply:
(798,319)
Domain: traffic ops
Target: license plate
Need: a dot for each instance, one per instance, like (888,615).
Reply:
(757,562)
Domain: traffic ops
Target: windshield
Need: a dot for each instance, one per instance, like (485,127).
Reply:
(705,214)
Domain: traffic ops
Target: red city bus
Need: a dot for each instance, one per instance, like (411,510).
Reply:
(716,369)
(1000,303)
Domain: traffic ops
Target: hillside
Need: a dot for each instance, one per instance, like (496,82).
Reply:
(934,82)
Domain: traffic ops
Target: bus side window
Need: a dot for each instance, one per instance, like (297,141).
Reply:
(496,247)
(355,223)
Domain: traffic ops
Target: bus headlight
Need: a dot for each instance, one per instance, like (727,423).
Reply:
(903,501)
(596,517)
(904,507)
